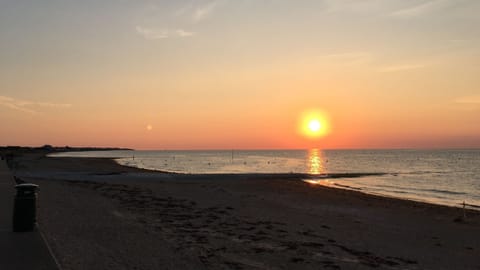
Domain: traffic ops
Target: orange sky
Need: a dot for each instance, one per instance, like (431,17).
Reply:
(239,74)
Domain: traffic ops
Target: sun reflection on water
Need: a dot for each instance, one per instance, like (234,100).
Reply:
(316,162)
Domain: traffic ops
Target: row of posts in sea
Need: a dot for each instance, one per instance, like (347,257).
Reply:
(232,158)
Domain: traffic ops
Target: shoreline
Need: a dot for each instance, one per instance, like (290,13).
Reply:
(469,207)
(305,177)
(110,217)
(451,201)
(301,177)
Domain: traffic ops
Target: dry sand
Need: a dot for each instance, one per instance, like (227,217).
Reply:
(99,215)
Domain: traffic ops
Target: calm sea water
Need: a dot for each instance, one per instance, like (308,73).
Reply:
(440,176)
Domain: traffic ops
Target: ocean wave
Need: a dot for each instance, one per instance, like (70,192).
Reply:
(425,172)
(442,191)
(445,191)
(470,205)
(346,186)
(342,175)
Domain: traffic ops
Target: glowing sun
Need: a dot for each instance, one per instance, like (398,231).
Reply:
(314,124)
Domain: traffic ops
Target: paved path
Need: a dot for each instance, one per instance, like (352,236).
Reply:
(18,251)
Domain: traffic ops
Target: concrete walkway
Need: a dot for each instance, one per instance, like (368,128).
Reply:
(20,250)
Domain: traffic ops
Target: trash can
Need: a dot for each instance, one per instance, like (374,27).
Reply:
(25,207)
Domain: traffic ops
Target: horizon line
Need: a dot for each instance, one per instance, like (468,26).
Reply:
(114,148)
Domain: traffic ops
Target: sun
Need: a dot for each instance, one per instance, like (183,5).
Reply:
(314,124)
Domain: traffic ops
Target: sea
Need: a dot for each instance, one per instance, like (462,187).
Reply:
(447,177)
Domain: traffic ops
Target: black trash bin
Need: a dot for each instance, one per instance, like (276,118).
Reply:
(25,208)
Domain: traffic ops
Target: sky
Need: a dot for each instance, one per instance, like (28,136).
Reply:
(225,74)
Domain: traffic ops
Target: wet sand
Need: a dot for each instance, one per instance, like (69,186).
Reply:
(97,214)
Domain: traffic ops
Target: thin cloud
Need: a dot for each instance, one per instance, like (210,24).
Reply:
(349,55)
(353,5)
(401,67)
(421,9)
(153,34)
(394,8)
(203,12)
(468,100)
(467,103)
(350,58)
(28,106)
(184,10)
(183,33)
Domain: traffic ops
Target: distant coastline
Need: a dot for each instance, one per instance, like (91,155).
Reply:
(50,148)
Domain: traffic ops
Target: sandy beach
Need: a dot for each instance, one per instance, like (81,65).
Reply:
(97,214)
